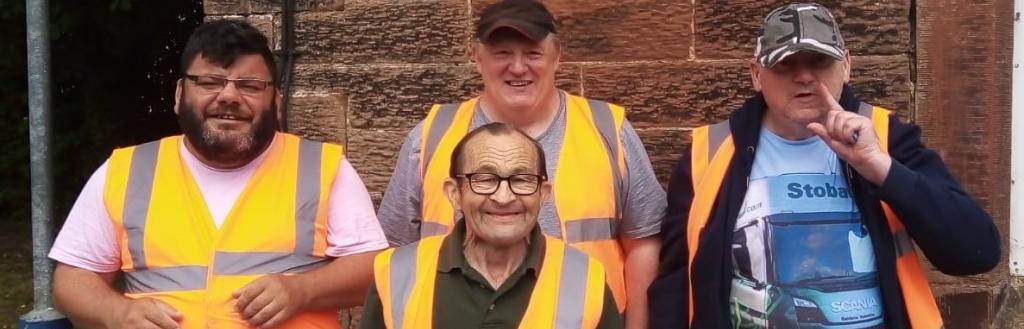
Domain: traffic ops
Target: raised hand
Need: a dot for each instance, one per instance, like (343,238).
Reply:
(852,137)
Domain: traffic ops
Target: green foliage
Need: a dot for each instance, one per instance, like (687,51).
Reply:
(112,80)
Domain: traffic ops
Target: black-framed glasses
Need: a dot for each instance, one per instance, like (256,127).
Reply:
(214,84)
(487,183)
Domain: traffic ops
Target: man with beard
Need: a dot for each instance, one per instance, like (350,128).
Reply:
(232,225)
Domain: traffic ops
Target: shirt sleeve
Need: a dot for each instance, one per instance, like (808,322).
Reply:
(352,226)
(399,211)
(645,204)
(87,239)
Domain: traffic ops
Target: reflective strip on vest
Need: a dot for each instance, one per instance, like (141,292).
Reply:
(605,123)
(432,229)
(253,263)
(438,127)
(165,279)
(402,280)
(591,229)
(904,244)
(708,172)
(136,199)
(307,187)
(409,296)
(442,129)
(136,208)
(572,289)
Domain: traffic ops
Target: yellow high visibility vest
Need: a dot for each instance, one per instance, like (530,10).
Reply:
(587,185)
(171,250)
(712,151)
(569,292)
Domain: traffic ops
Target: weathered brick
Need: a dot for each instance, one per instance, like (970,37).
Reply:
(664,146)
(670,94)
(400,96)
(226,7)
(372,153)
(632,30)
(884,81)
(318,116)
(620,30)
(727,29)
(384,31)
(274,6)
(389,96)
(264,23)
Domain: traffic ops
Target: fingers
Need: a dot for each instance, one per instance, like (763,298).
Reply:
(160,314)
(275,321)
(262,303)
(162,320)
(269,316)
(169,310)
(826,95)
(258,305)
(246,295)
(841,126)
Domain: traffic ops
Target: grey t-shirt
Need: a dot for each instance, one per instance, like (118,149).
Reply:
(644,209)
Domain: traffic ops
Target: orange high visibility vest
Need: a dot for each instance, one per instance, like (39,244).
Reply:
(587,185)
(171,250)
(569,292)
(711,152)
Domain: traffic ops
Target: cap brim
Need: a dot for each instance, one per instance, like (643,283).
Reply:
(530,31)
(836,53)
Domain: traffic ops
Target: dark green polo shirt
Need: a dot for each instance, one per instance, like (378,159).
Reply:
(464,299)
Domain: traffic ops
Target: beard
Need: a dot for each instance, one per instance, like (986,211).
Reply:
(227,146)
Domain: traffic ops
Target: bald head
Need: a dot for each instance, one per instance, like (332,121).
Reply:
(495,129)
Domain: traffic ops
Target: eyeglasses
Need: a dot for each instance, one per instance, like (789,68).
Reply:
(487,183)
(212,84)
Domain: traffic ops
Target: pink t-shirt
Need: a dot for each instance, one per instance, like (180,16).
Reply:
(87,239)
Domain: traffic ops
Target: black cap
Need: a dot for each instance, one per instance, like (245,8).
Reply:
(528,17)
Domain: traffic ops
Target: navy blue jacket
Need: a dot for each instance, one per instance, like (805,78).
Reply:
(950,228)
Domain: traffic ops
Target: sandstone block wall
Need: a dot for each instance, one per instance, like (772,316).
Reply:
(368,70)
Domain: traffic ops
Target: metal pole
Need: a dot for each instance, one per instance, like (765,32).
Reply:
(43,315)
(1017,146)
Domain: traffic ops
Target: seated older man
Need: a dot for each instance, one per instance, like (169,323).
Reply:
(495,269)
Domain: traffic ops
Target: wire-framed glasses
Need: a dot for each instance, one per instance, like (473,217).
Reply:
(215,84)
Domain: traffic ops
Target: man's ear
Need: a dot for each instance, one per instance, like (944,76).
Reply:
(847,65)
(451,190)
(545,190)
(755,75)
(277,105)
(177,95)
(474,54)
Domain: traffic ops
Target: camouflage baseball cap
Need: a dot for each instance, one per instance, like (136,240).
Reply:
(798,27)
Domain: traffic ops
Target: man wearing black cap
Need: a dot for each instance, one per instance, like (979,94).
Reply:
(605,200)
(802,210)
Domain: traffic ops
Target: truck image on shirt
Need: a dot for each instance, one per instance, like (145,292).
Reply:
(804,270)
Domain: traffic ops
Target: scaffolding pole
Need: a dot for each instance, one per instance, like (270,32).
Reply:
(43,315)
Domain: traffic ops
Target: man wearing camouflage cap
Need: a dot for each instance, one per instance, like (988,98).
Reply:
(803,208)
